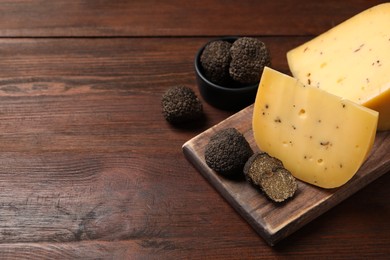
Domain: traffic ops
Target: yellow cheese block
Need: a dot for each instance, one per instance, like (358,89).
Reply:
(352,60)
(321,138)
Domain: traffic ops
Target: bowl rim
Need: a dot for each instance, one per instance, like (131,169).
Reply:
(200,74)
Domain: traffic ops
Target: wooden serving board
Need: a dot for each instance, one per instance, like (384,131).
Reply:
(276,221)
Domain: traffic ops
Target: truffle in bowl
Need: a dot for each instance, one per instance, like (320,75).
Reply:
(228,71)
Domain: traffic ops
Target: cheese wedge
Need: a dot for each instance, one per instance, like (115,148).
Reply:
(321,138)
(351,60)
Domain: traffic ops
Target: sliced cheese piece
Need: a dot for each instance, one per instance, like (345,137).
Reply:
(321,138)
(351,60)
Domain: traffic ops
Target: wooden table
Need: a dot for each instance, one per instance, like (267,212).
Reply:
(90,169)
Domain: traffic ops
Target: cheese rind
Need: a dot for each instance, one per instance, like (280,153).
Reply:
(321,138)
(351,60)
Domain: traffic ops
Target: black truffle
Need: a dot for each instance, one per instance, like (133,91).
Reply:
(249,57)
(227,152)
(180,105)
(280,185)
(258,165)
(215,60)
(269,174)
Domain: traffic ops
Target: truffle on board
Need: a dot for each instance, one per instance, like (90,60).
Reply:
(279,185)
(258,165)
(215,61)
(180,105)
(227,152)
(249,57)
(270,176)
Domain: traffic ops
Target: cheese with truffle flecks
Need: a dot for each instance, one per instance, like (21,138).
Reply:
(351,60)
(321,138)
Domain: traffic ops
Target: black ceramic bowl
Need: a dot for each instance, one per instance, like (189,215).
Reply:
(231,98)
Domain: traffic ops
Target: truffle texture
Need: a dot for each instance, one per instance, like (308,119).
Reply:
(215,60)
(227,152)
(180,105)
(249,57)
(270,176)
(258,165)
(279,186)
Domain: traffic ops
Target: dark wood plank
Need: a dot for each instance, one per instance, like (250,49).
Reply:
(26,18)
(273,221)
(36,67)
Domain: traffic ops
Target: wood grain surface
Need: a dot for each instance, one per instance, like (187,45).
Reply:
(90,169)
(80,18)
(275,221)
